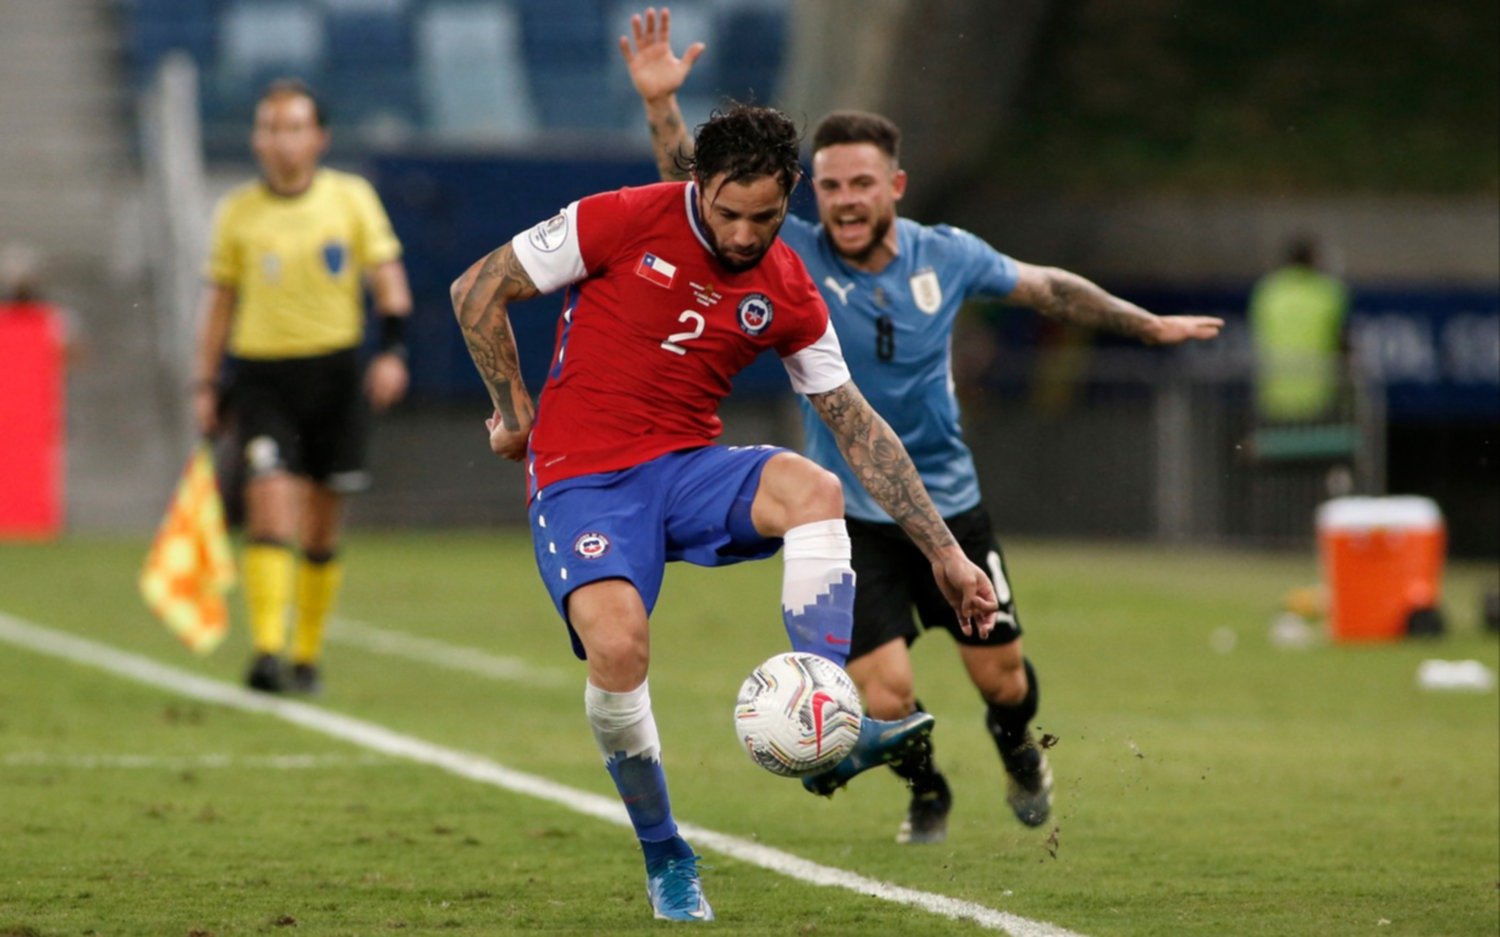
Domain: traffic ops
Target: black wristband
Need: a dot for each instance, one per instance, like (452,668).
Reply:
(393,335)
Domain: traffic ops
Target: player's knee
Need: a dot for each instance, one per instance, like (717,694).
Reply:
(617,661)
(610,621)
(819,496)
(795,490)
(1006,687)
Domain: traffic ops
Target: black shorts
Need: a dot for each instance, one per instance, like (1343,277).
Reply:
(893,578)
(306,416)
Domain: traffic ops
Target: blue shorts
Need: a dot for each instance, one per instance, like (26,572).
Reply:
(691,505)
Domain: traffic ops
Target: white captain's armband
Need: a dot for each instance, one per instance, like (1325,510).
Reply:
(550,253)
(819,367)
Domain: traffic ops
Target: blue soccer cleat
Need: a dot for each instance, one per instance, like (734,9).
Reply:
(880,742)
(676,891)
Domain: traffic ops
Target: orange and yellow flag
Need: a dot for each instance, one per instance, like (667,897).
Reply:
(190,566)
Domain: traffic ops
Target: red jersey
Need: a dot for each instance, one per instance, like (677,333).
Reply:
(654,329)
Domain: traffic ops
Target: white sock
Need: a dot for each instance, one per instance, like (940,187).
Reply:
(622,722)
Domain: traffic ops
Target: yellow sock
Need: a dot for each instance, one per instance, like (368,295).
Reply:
(268,585)
(317,587)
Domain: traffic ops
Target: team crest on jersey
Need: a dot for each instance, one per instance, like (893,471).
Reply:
(333,257)
(591,545)
(926,291)
(550,234)
(754,313)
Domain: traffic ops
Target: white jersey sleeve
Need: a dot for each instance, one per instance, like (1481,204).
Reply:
(819,367)
(550,253)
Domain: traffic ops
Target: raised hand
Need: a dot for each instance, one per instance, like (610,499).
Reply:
(654,70)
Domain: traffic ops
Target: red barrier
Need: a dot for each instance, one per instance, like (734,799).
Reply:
(31,421)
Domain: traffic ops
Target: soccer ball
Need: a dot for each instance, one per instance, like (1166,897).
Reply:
(798,714)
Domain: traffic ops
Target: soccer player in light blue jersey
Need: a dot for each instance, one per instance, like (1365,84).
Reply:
(894,288)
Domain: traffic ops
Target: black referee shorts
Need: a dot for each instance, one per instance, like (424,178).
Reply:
(306,416)
(894,578)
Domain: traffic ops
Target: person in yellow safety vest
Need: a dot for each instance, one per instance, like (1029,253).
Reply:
(1298,318)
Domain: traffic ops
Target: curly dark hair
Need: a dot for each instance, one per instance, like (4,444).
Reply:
(747,141)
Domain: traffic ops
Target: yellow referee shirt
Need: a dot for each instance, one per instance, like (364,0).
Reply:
(297,263)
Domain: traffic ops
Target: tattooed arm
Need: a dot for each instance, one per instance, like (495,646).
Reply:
(882,465)
(481,297)
(657,74)
(1068,297)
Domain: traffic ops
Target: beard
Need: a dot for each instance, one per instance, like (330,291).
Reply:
(878,229)
(739,264)
(735,263)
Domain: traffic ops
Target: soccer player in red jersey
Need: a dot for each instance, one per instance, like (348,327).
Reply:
(671,290)
(894,289)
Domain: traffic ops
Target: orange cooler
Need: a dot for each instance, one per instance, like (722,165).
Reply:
(1382,559)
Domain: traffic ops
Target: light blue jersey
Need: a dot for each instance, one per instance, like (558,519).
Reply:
(896,330)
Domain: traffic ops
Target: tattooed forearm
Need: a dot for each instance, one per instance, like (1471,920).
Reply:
(1069,297)
(880,462)
(480,300)
(670,144)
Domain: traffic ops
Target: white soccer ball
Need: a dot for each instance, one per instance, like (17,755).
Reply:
(798,714)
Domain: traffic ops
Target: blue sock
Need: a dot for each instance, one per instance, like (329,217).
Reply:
(643,787)
(824,627)
(817,589)
(625,732)
(661,851)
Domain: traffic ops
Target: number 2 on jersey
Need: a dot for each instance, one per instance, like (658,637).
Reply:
(688,315)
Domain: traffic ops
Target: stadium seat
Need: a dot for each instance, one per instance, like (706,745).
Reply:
(567,50)
(751,55)
(149,40)
(152,28)
(368,7)
(357,38)
(470,71)
(380,104)
(369,82)
(270,33)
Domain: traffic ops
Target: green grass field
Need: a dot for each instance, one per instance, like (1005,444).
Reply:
(1200,791)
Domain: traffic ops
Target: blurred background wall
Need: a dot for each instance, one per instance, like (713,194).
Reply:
(1165,149)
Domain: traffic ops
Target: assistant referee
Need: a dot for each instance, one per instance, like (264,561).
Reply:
(290,257)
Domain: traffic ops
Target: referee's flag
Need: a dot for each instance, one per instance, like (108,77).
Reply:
(190,566)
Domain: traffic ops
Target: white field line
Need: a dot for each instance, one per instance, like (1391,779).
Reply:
(182,762)
(378,738)
(441,654)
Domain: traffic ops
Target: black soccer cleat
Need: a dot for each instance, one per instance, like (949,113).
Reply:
(1028,783)
(927,817)
(266,674)
(306,680)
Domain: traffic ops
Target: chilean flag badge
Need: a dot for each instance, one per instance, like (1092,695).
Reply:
(656,270)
